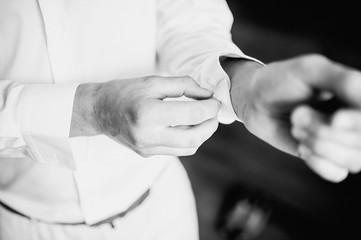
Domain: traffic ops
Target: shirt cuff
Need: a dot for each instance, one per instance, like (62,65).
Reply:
(45,118)
(220,84)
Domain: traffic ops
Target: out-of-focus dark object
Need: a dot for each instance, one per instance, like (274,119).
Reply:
(329,28)
(244,214)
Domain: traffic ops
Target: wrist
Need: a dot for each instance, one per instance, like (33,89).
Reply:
(84,122)
(242,74)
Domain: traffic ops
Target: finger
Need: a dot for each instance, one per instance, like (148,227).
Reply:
(175,113)
(168,151)
(343,130)
(321,166)
(347,120)
(322,73)
(346,138)
(342,148)
(305,117)
(186,137)
(343,156)
(326,169)
(179,86)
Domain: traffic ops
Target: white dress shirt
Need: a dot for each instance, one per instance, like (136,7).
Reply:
(49,47)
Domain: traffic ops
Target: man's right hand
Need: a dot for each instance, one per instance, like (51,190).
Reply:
(133,112)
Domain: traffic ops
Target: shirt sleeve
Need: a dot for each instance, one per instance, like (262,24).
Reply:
(191,37)
(35,121)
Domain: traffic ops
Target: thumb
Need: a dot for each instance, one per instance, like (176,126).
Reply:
(323,74)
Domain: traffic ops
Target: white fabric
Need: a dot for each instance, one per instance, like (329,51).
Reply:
(159,217)
(47,48)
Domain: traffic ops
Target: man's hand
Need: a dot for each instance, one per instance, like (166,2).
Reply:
(133,112)
(265,97)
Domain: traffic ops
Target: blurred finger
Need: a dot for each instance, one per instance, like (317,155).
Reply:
(345,138)
(343,156)
(321,166)
(304,117)
(347,120)
(326,169)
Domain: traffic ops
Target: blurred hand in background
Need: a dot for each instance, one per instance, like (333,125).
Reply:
(270,100)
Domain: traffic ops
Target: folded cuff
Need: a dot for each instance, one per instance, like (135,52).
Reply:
(220,84)
(45,118)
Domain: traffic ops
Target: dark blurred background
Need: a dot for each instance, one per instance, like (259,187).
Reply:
(244,188)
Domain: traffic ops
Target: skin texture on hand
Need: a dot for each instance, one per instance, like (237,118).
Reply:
(133,112)
(266,98)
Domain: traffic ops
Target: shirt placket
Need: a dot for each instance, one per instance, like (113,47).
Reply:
(54,22)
